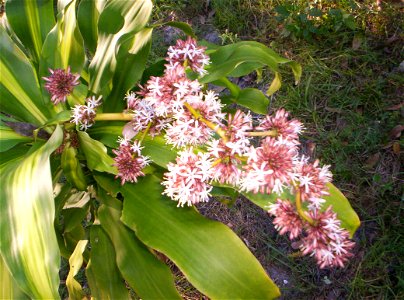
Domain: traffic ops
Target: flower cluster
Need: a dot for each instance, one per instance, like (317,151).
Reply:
(60,84)
(129,160)
(84,115)
(215,148)
(190,53)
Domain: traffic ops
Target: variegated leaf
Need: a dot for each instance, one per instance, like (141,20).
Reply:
(19,88)
(118,21)
(31,21)
(28,242)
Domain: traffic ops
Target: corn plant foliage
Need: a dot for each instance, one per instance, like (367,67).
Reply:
(71,204)
(28,241)
(200,247)
(31,22)
(149,276)
(19,86)
(118,21)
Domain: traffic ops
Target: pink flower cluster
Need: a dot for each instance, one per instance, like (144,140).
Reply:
(60,84)
(129,160)
(84,115)
(229,149)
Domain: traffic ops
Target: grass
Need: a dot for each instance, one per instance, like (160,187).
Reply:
(349,99)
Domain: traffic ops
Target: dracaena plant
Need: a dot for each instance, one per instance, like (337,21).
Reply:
(115,156)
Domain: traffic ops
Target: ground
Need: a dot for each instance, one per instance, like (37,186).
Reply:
(351,101)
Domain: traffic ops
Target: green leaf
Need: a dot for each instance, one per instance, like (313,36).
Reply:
(185,27)
(31,22)
(9,138)
(8,287)
(275,84)
(130,64)
(340,205)
(253,99)
(72,169)
(96,154)
(103,275)
(209,254)
(63,46)
(244,57)
(150,278)
(28,242)
(118,21)
(87,17)
(107,132)
(13,155)
(157,149)
(19,88)
(75,262)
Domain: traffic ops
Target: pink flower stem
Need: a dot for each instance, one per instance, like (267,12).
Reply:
(300,210)
(113,117)
(211,125)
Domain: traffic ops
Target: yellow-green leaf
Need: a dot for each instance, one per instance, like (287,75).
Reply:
(75,262)
(28,242)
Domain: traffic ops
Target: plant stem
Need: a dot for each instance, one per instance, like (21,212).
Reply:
(234,89)
(113,117)
(300,210)
(146,131)
(262,133)
(211,125)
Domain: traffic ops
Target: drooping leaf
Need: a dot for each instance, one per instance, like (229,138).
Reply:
(185,27)
(19,88)
(118,21)
(75,262)
(244,57)
(96,154)
(87,16)
(72,168)
(9,138)
(275,84)
(253,99)
(145,273)
(63,46)
(340,204)
(28,242)
(209,254)
(31,22)
(103,276)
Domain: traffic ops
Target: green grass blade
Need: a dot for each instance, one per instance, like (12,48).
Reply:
(28,241)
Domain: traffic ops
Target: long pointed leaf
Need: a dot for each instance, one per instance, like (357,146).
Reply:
(28,242)
(150,278)
(118,21)
(19,88)
(103,276)
(64,46)
(210,255)
(8,287)
(31,21)
(75,262)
